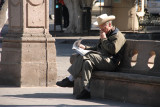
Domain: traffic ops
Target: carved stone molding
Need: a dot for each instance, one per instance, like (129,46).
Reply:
(36,14)
(35,2)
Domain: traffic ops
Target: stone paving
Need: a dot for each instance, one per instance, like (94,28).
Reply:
(51,97)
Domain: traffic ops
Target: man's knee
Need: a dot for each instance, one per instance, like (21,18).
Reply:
(73,57)
(88,64)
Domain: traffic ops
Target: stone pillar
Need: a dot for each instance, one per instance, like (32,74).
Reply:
(28,50)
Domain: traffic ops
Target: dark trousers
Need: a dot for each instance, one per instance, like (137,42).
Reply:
(65,15)
(1,3)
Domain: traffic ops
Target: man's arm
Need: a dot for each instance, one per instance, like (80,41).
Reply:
(114,43)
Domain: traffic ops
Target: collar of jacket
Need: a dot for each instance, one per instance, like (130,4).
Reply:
(112,32)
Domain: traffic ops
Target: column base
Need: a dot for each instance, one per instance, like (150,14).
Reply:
(28,62)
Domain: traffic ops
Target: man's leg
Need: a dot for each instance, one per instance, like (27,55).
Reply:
(69,81)
(95,61)
(77,63)
(87,69)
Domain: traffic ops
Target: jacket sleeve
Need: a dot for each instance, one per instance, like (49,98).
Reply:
(94,48)
(114,43)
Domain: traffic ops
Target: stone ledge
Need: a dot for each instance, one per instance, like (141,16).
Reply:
(133,88)
(28,39)
(127,77)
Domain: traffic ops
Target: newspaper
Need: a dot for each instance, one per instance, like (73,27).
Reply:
(78,49)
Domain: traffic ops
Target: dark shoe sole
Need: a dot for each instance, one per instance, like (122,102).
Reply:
(64,86)
(84,95)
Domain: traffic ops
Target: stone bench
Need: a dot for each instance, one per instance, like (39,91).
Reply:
(137,80)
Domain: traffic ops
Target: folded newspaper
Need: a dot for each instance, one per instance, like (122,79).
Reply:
(78,49)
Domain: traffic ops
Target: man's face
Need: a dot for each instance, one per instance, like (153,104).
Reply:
(105,27)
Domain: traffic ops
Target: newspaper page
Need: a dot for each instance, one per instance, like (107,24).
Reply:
(78,49)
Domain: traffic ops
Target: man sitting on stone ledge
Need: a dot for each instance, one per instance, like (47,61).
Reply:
(106,56)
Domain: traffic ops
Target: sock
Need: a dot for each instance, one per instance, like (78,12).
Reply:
(71,78)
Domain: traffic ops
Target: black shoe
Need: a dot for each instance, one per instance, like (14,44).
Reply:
(84,95)
(65,83)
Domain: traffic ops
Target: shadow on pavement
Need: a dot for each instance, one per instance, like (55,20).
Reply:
(105,102)
(61,105)
(44,95)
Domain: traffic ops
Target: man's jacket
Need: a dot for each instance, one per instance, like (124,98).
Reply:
(112,47)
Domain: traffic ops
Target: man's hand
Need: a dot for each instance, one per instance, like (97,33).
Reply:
(102,35)
(82,46)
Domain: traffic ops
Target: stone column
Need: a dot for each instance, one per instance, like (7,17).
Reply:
(28,50)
